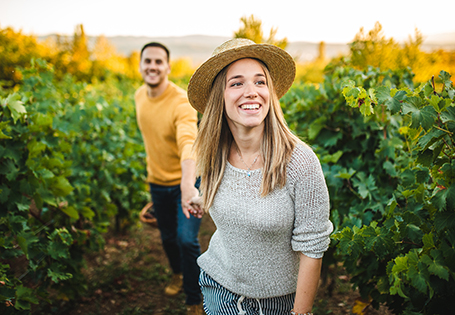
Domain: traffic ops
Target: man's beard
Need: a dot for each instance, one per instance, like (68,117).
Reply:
(153,85)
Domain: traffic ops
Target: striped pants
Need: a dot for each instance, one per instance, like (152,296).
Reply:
(220,301)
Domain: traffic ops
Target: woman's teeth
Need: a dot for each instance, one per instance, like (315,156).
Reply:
(250,106)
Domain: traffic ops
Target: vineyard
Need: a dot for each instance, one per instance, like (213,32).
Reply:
(72,171)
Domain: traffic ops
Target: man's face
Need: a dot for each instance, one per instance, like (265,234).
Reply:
(154,67)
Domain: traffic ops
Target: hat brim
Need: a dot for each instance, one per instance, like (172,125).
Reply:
(279,63)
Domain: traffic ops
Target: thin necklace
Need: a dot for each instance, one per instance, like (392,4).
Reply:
(248,168)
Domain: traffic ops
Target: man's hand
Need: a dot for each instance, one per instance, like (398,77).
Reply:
(188,193)
(196,203)
(187,186)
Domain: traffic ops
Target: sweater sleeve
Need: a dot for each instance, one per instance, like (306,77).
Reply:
(312,227)
(186,130)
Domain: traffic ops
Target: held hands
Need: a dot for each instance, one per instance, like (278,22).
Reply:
(187,194)
(196,207)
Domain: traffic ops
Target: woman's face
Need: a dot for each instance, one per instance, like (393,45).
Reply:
(246,94)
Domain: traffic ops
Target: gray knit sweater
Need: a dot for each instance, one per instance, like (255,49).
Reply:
(255,249)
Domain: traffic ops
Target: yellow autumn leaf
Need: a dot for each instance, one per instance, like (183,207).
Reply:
(359,307)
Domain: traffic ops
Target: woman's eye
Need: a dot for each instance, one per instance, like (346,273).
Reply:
(236,84)
(260,82)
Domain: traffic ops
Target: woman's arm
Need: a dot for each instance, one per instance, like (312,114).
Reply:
(307,283)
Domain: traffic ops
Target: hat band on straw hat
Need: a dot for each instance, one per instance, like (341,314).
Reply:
(279,63)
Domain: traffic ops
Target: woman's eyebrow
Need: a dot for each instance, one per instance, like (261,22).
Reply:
(237,76)
(241,76)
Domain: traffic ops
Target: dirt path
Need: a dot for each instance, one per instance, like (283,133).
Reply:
(129,276)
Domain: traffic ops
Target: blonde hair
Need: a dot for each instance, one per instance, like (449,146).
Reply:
(214,141)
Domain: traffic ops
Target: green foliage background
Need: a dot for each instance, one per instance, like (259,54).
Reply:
(72,165)
(387,149)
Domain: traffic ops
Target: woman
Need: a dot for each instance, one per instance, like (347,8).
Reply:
(263,187)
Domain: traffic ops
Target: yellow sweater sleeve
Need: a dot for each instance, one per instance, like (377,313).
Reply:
(186,130)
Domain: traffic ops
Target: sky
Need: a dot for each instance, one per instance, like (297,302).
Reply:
(332,21)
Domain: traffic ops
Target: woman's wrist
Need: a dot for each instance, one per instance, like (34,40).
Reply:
(296,313)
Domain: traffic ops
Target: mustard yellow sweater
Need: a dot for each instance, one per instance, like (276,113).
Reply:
(168,125)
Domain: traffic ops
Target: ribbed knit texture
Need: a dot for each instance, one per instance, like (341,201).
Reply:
(255,249)
(168,125)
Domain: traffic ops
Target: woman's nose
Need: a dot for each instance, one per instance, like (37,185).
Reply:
(250,90)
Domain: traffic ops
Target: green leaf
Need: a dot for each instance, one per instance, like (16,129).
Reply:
(445,78)
(377,240)
(4,193)
(422,176)
(424,117)
(348,243)
(23,244)
(15,106)
(451,197)
(425,158)
(350,93)
(408,177)
(372,95)
(71,212)
(332,158)
(396,288)
(389,168)
(428,241)
(448,248)
(24,296)
(366,109)
(365,185)
(413,232)
(56,273)
(57,250)
(87,212)
(448,171)
(399,266)
(23,207)
(428,89)
(431,137)
(42,121)
(316,127)
(60,186)
(9,169)
(434,101)
(45,173)
(444,220)
(448,115)
(35,148)
(345,174)
(444,199)
(392,103)
(4,125)
(436,265)
(417,279)
(383,285)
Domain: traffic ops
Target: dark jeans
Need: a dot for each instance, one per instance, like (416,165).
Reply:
(179,236)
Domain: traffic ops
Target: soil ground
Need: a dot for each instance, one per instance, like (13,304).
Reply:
(129,276)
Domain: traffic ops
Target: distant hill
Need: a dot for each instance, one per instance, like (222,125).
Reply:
(199,47)
(445,41)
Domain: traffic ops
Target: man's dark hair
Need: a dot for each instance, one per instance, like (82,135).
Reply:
(155,44)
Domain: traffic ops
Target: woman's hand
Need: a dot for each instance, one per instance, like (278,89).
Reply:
(196,207)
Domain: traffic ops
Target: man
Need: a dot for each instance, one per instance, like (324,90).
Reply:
(168,125)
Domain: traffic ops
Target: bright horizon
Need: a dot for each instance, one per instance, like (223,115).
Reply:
(332,21)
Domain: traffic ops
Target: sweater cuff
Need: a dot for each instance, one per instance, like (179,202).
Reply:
(187,153)
(313,255)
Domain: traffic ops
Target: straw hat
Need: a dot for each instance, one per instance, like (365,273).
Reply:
(279,62)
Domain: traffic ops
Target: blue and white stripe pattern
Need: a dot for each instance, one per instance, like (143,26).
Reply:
(220,301)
